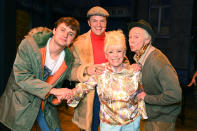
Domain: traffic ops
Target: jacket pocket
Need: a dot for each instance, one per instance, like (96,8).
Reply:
(153,111)
(22,98)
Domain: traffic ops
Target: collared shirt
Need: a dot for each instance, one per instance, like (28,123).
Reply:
(51,64)
(142,59)
(117,94)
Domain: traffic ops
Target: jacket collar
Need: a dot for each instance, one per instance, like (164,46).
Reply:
(143,58)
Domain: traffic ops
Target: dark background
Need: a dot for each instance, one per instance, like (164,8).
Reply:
(174,21)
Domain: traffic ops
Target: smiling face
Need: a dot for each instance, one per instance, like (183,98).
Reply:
(97,24)
(115,54)
(63,35)
(138,37)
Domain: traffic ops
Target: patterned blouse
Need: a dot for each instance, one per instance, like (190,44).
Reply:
(117,93)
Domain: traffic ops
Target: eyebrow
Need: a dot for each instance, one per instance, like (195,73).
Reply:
(97,19)
(66,27)
(94,19)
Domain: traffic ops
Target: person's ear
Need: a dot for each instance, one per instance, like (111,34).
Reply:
(54,30)
(105,55)
(89,22)
(147,41)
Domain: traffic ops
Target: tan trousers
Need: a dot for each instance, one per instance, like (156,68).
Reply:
(158,126)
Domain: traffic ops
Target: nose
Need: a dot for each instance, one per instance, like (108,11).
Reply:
(115,54)
(65,34)
(98,23)
(131,43)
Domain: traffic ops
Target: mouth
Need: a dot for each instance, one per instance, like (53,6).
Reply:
(131,47)
(99,28)
(64,40)
(115,60)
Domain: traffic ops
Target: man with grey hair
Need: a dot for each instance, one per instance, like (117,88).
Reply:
(162,93)
(88,52)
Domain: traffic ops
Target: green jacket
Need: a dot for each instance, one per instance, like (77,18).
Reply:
(21,100)
(161,84)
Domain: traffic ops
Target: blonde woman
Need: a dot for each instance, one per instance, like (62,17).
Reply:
(117,88)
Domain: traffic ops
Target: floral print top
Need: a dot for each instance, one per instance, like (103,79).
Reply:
(117,93)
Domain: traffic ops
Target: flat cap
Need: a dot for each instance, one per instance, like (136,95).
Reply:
(144,25)
(97,10)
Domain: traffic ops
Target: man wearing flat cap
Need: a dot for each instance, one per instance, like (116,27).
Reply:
(162,92)
(88,51)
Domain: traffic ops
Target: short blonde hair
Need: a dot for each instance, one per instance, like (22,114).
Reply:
(115,38)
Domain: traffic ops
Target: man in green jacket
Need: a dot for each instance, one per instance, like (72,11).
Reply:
(42,62)
(162,92)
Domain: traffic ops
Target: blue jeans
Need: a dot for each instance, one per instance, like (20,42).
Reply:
(96,110)
(42,122)
(133,126)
